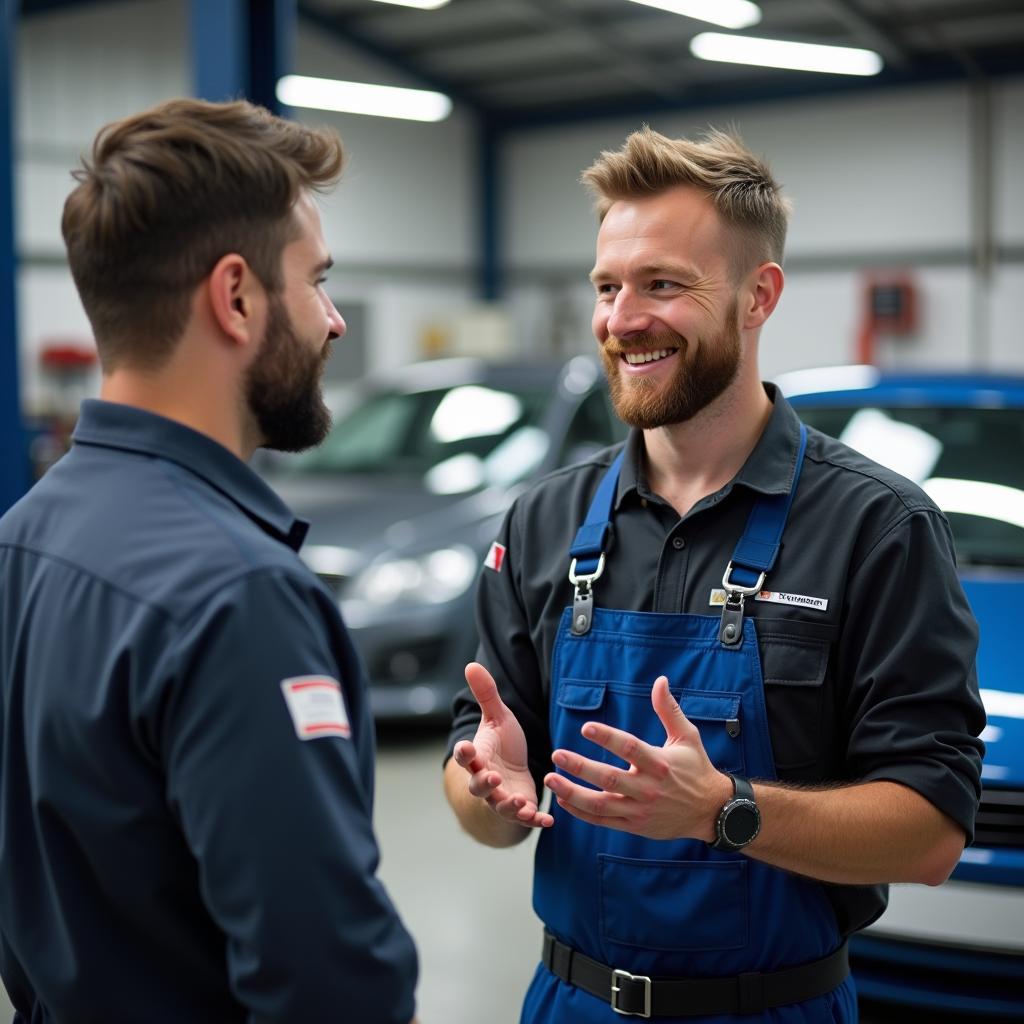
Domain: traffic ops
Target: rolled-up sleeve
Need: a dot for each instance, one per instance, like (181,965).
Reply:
(907,653)
(280,826)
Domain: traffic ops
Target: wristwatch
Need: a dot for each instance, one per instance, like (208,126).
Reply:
(739,821)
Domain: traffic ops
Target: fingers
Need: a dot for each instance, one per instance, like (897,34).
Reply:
(485,690)
(604,776)
(666,707)
(623,745)
(591,805)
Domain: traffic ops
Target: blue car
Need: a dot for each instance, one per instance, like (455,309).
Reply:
(957,949)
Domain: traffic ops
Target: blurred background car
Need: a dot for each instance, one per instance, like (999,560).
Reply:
(405,497)
(958,948)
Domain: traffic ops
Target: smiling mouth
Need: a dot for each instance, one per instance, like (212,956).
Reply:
(639,358)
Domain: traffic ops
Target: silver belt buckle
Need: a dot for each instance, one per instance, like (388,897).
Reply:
(626,976)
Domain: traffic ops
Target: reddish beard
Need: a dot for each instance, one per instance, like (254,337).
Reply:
(697,380)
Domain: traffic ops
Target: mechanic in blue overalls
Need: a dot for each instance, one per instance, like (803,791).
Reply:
(728,597)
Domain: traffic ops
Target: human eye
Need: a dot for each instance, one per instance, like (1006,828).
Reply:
(605,288)
(662,284)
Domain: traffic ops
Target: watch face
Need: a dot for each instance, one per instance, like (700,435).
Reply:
(742,823)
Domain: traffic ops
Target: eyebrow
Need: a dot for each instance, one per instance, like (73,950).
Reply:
(323,265)
(687,271)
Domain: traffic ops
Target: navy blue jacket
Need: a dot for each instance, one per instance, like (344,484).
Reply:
(171,849)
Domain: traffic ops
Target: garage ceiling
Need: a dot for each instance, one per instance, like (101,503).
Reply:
(535,61)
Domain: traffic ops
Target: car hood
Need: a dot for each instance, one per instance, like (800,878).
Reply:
(996,604)
(357,512)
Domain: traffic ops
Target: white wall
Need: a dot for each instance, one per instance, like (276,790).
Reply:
(880,180)
(400,225)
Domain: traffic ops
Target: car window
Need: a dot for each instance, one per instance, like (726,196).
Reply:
(414,432)
(967,459)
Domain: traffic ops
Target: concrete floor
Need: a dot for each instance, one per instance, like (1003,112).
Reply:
(468,907)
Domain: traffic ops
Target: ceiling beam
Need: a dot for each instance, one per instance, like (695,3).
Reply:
(868,31)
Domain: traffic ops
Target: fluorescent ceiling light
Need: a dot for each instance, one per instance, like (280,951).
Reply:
(423,5)
(361,98)
(727,13)
(776,53)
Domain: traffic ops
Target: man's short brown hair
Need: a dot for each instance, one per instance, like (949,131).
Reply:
(738,183)
(165,195)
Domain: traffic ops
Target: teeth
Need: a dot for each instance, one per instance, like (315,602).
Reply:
(638,358)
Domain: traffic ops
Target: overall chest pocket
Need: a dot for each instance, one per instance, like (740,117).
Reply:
(627,706)
(718,719)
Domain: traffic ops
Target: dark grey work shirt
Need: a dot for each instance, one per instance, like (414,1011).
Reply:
(170,849)
(880,684)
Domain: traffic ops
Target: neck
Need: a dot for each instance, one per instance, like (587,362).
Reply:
(687,461)
(193,402)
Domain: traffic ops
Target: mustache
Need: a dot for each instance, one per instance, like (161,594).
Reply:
(615,346)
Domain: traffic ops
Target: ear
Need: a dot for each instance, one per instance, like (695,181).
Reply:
(236,299)
(761,295)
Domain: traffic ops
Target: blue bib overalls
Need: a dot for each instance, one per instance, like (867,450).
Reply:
(672,908)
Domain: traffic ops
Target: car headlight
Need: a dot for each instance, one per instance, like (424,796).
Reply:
(433,578)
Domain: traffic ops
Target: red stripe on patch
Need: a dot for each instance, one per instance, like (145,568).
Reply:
(495,557)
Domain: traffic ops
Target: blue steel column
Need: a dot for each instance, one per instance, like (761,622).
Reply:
(14,474)
(220,52)
(489,238)
(240,48)
(271,48)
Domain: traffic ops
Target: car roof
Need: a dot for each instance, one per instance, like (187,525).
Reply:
(860,385)
(445,373)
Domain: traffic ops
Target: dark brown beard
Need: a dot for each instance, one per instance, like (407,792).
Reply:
(283,387)
(696,382)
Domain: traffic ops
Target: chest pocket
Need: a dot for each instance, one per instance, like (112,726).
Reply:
(627,706)
(794,668)
(717,717)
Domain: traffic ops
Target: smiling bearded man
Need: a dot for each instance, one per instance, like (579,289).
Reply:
(712,367)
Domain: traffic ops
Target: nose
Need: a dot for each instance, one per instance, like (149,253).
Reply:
(628,314)
(336,326)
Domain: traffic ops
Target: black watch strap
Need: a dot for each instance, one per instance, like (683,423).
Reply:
(742,789)
(739,821)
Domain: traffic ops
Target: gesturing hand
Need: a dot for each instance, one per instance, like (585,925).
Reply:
(668,792)
(496,758)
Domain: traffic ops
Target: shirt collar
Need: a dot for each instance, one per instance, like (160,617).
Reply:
(126,427)
(769,467)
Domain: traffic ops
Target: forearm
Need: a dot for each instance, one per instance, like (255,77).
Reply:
(474,815)
(856,835)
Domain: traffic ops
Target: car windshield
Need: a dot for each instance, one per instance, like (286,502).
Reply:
(449,436)
(967,459)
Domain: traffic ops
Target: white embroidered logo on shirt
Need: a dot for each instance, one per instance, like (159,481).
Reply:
(316,706)
(496,557)
(818,604)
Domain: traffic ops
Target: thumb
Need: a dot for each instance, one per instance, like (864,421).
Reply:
(485,690)
(666,707)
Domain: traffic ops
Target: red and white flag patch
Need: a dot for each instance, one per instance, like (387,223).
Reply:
(317,707)
(495,557)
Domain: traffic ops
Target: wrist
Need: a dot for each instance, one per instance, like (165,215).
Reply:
(719,795)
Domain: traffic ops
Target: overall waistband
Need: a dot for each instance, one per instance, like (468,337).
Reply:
(642,996)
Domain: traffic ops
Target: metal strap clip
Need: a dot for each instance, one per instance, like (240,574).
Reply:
(731,631)
(617,988)
(583,597)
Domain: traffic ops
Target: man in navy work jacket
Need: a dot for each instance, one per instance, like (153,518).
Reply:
(741,646)
(186,756)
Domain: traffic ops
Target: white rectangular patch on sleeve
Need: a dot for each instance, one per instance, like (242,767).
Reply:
(495,557)
(317,707)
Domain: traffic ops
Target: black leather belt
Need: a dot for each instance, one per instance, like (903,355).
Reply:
(640,996)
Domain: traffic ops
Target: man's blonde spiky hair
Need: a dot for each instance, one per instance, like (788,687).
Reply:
(738,183)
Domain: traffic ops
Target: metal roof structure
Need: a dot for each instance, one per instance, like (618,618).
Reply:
(524,62)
